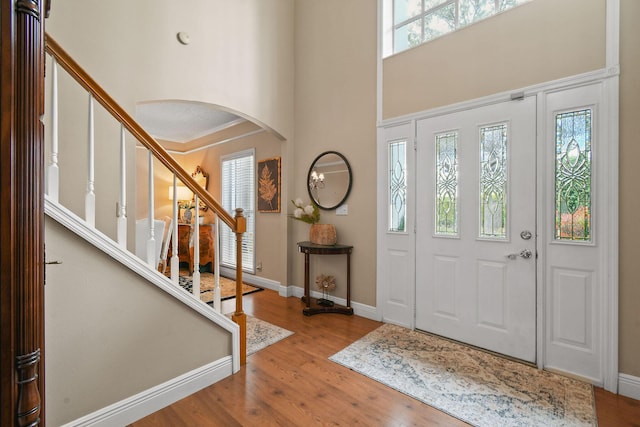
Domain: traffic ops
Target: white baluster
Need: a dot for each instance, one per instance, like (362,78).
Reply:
(53,172)
(122,206)
(217,303)
(196,250)
(90,198)
(175,260)
(151,243)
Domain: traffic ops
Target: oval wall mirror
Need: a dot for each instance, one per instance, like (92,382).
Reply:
(329,180)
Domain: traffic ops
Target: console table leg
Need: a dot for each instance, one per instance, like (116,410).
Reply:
(348,279)
(307,292)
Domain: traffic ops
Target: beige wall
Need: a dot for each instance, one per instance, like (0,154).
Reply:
(335,98)
(73,138)
(537,42)
(110,334)
(240,55)
(629,248)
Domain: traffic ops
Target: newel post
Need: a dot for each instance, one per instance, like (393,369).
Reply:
(239,317)
(22,214)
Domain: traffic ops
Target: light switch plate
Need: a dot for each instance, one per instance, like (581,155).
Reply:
(342,210)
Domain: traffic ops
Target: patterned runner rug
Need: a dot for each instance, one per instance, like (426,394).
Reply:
(207,282)
(472,385)
(261,334)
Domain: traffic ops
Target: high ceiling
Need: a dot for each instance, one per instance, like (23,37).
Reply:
(183,121)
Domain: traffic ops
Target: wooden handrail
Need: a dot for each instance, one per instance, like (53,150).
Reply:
(109,104)
(237,224)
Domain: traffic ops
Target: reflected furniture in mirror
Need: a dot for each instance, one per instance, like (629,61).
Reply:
(329,180)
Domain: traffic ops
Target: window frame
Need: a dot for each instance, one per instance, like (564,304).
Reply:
(390,27)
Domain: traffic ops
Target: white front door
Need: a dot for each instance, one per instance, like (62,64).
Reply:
(476,234)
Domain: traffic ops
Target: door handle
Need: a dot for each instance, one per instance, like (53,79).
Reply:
(525,253)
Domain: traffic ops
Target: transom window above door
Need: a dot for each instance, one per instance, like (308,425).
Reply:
(409,23)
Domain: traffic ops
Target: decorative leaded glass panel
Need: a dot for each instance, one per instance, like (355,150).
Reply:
(397,185)
(446,203)
(493,182)
(573,176)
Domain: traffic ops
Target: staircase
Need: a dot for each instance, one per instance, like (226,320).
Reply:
(77,220)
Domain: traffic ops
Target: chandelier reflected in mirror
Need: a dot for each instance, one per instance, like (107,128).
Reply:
(316,180)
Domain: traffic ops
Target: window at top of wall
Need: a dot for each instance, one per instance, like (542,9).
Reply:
(409,23)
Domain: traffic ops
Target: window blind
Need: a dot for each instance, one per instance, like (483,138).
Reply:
(238,191)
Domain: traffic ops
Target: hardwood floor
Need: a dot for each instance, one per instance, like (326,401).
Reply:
(292,383)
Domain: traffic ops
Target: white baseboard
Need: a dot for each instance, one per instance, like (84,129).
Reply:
(152,400)
(361,310)
(629,386)
(285,291)
(252,279)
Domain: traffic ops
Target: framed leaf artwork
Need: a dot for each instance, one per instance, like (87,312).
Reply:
(269,185)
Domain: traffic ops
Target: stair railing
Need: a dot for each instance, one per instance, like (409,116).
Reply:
(236,223)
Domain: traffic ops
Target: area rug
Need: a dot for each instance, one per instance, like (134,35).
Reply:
(207,284)
(261,334)
(472,385)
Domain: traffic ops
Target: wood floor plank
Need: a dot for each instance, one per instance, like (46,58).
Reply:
(616,410)
(328,398)
(292,382)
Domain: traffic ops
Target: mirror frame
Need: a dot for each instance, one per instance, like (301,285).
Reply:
(346,194)
(200,175)
(201,178)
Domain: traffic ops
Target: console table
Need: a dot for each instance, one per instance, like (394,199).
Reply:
(312,307)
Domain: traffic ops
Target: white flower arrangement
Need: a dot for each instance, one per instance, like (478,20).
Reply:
(308,213)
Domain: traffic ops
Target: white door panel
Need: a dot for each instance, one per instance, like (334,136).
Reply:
(574,284)
(467,286)
(396,239)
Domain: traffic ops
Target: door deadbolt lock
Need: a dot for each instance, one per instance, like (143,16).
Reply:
(526,235)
